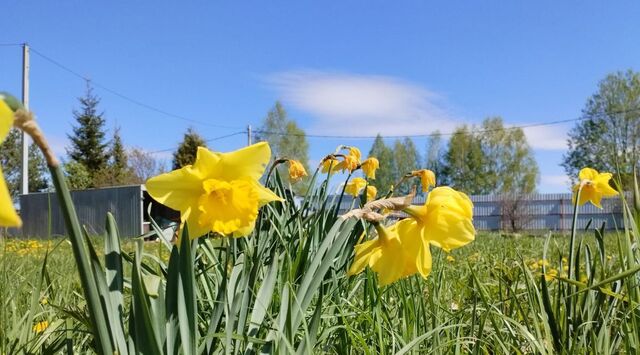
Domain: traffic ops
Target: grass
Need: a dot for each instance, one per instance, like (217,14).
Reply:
(284,289)
(478,299)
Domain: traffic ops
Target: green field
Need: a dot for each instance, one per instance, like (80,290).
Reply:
(485,297)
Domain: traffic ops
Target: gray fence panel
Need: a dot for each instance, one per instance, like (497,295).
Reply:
(41,215)
(539,212)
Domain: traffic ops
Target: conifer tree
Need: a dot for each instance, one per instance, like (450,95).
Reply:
(87,141)
(188,148)
(406,160)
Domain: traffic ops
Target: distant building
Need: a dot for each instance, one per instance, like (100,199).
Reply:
(130,205)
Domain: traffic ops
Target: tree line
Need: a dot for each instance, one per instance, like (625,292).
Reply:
(478,159)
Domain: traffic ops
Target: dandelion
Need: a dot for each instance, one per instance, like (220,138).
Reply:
(355,186)
(403,249)
(372,191)
(220,192)
(427,178)
(369,167)
(296,170)
(329,165)
(8,215)
(551,274)
(40,326)
(594,186)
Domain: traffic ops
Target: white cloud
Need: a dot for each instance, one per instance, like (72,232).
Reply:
(362,105)
(555,181)
(547,137)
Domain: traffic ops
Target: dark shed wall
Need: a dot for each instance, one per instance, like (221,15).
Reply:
(124,202)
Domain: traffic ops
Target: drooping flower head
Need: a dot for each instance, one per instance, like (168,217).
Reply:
(8,215)
(372,191)
(355,186)
(369,167)
(296,170)
(427,178)
(220,192)
(594,186)
(350,161)
(404,248)
(329,165)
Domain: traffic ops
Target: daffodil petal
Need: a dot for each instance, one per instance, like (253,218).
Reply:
(8,215)
(246,162)
(587,174)
(178,189)
(6,120)
(265,195)
(363,253)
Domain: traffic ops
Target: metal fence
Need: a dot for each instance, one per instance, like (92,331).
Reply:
(533,212)
(41,215)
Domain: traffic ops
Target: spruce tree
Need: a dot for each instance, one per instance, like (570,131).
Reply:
(187,150)
(406,160)
(87,141)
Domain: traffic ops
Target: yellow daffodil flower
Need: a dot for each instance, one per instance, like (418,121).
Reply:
(444,220)
(391,256)
(296,170)
(594,186)
(427,178)
(329,165)
(8,215)
(355,186)
(220,192)
(403,248)
(40,326)
(372,191)
(369,167)
(355,152)
(349,162)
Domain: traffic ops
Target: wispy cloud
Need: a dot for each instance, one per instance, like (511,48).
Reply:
(555,181)
(350,104)
(547,137)
(365,105)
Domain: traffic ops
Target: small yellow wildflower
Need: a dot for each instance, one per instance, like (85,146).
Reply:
(372,191)
(220,192)
(355,186)
(8,215)
(329,165)
(40,326)
(595,186)
(296,170)
(551,274)
(450,258)
(369,167)
(543,262)
(427,178)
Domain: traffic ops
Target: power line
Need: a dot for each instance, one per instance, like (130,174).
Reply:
(123,96)
(206,140)
(426,135)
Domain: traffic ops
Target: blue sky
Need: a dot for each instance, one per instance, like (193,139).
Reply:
(341,68)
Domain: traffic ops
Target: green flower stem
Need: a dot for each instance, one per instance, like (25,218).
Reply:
(96,311)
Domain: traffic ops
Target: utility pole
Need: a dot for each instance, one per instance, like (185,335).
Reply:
(24,186)
(248,134)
